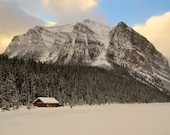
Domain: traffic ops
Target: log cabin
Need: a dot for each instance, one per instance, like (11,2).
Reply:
(46,102)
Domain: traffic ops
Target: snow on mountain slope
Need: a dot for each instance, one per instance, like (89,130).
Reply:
(132,50)
(101,60)
(117,119)
(101,34)
(100,30)
(94,44)
(63,28)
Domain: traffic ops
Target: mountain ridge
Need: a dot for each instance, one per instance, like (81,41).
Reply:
(94,44)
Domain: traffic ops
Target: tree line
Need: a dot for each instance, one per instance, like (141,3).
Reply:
(21,82)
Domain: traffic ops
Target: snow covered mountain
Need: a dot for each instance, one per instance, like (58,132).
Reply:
(93,44)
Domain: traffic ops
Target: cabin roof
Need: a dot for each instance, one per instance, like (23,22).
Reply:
(47,100)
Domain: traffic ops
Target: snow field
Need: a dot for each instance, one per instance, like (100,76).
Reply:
(116,119)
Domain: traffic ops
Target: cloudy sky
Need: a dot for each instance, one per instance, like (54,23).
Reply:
(151,18)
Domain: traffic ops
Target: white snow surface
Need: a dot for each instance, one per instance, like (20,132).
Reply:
(47,100)
(116,119)
(63,28)
(100,30)
(101,34)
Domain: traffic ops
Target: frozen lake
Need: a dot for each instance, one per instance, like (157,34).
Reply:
(116,119)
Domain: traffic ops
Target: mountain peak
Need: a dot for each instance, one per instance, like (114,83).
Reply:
(93,44)
(122,24)
(88,21)
(92,22)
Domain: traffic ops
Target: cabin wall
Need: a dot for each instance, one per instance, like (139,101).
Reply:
(52,105)
(40,104)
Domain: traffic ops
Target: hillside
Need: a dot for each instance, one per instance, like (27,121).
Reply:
(22,81)
(90,43)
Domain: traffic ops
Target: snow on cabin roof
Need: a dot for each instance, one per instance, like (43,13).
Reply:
(46,100)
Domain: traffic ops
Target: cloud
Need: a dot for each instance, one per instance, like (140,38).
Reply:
(20,15)
(49,24)
(4,41)
(157,30)
(80,16)
(68,11)
(14,21)
(71,5)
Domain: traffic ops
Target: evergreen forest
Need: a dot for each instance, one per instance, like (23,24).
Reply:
(21,82)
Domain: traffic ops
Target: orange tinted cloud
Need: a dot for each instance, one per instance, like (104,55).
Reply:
(16,17)
(157,30)
(71,5)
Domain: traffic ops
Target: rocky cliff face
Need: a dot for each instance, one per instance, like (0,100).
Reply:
(129,47)
(91,43)
(132,50)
